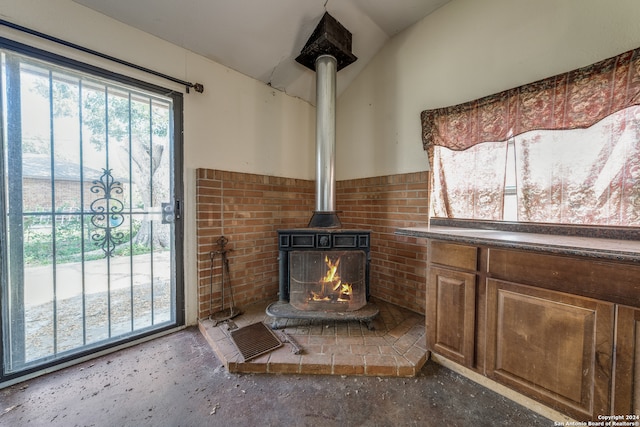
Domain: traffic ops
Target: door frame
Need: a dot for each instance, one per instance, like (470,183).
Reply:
(178,200)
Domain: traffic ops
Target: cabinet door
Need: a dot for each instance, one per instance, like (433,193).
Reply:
(552,346)
(626,395)
(451,314)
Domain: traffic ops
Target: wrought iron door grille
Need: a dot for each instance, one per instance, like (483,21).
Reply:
(88,258)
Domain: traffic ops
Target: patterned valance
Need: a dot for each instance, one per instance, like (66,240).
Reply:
(577,99)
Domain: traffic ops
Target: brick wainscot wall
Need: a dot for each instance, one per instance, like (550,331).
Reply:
(248,209)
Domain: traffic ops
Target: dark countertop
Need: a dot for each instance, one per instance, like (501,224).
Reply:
(598,248)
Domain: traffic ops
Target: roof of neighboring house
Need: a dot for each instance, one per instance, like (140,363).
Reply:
(38,166)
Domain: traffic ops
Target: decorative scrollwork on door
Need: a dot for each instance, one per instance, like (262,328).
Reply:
(107,213)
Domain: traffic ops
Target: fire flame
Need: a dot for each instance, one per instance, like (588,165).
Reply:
(332,271)
(341,291)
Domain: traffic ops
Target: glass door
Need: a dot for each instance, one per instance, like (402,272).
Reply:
(89,250)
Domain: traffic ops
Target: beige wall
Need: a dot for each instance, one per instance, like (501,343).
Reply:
(237,124)
(465,50)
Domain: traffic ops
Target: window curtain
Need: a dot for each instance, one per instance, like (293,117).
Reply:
(583,176)
(574,100)
(469,184)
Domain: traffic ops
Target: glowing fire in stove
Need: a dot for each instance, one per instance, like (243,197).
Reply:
(333,289)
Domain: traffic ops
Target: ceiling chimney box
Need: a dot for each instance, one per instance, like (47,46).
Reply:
(329,38)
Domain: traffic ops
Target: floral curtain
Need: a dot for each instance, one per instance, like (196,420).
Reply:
(469,184)
(587,176)
(574,100)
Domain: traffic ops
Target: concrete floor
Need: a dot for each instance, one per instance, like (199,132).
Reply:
(176,380)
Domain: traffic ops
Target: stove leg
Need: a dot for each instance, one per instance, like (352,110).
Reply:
(278,323)
(369,324)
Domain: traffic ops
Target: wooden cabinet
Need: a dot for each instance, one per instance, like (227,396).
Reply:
(451,301)
(626,398)
(451,314)
(552,346)
(564,330)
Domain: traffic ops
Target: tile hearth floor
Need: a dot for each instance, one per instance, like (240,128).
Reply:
(395,347)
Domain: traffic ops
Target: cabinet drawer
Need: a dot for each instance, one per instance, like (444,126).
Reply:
(614,282)
(453,255)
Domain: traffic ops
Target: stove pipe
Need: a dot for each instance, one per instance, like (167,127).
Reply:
(327,51)
(325,214)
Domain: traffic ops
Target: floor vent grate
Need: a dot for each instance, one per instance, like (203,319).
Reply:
(255,340)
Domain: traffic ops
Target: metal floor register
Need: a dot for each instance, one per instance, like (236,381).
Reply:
(255,340)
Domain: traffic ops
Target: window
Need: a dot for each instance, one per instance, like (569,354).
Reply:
(579,176)
(561,150)
(510,210)
(471,183)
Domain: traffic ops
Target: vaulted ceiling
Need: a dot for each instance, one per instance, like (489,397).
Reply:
(261,38)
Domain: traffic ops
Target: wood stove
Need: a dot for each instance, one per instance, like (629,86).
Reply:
(324,274)
(324,270)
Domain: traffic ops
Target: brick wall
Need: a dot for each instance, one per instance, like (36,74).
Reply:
(249,209)
(382,204)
